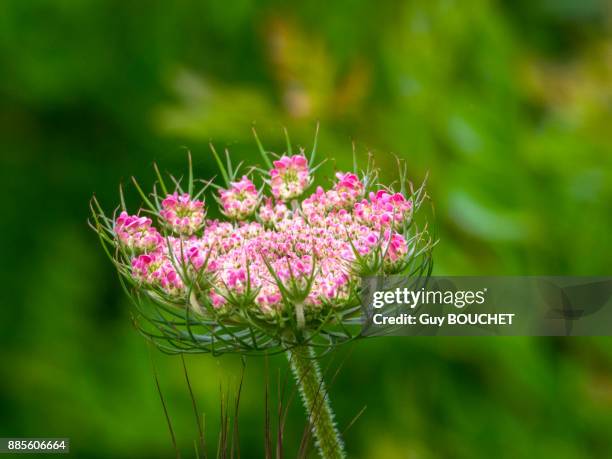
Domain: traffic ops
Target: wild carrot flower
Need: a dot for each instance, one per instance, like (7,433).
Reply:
(156,270)
(397,249)
(284,278)
(346,191)
(182,214)
(241,200)
(384,209)
(290,177)
(216,300)
(136,232)
(270,214)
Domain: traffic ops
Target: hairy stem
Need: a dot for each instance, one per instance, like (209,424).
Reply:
(316,401)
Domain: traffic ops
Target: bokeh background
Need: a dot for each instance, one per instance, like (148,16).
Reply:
(507,104)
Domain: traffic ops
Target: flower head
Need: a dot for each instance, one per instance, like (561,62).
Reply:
(268,274)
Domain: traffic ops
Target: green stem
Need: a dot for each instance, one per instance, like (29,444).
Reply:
(316,401)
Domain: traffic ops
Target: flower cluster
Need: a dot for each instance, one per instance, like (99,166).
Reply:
(312,253)
(290,177)
(136,233)
(283,266)
(182,214)
(155,269)
(346,191)
(270,213)
(241,200)
(384,209)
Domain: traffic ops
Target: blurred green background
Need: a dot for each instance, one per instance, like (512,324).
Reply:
(508,105)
